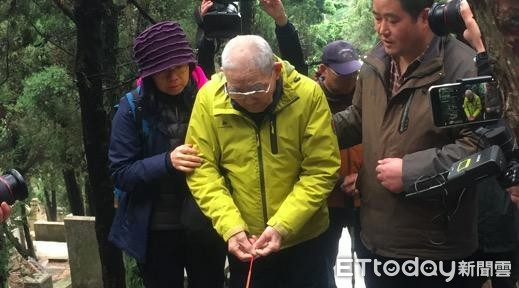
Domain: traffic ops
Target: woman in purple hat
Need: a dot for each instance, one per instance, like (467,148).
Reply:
(157,221)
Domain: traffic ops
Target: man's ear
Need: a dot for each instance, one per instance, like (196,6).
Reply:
(277,69)
(424,16)
(321,69)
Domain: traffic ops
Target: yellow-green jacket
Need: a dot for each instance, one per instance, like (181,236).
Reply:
(278,175)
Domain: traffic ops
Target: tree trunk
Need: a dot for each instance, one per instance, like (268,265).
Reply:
(500,29)
(89,199)
(75,199)
(50,202)
(4,257)
(27,232)
(95,30)
(247,9)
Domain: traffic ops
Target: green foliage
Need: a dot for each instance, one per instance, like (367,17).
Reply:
(50,92)
(358,25)
(317,26)
(4,256)
(133,280)
(40,123)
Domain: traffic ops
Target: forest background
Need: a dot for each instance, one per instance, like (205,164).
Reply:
(65,63)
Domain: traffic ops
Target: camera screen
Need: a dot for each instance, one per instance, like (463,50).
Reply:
(460,103)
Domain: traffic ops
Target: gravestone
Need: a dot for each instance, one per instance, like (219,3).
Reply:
(49,231)
(83,252)
(38,280)
(34,212)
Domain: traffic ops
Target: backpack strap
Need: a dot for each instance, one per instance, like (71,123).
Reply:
(133,99)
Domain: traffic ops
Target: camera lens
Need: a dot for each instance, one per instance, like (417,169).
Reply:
(446,18)
(12,187)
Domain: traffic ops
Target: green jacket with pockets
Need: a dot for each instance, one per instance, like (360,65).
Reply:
(278,174)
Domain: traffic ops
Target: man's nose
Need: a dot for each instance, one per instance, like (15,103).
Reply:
(383,28)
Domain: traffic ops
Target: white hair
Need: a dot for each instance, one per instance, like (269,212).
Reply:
(248,52)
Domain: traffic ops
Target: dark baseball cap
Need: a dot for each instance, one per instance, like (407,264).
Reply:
(341,57)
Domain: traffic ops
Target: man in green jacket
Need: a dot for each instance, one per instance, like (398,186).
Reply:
(472,105)
(270,159)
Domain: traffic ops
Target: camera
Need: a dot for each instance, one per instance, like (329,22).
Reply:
(470,101)
(12,187)
(500,156)
(499,159)
(445,18)
(223,20)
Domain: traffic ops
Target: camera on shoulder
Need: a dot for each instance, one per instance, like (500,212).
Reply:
(223,20)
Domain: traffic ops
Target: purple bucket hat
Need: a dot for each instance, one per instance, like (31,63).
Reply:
(160,47)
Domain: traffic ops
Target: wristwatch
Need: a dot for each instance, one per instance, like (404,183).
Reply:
(482,56)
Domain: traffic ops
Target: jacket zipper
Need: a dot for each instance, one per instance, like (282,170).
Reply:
(262,176)
(273,135)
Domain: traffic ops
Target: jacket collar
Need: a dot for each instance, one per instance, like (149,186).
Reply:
(429,71)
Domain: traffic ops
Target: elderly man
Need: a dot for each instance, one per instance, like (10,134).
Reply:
(270,159)
(472,105)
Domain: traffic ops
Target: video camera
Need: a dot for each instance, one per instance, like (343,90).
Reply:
(445,18)
(12,187)
(500,157)
(223,20)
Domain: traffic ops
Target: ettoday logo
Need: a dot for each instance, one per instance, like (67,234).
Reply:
(415,267)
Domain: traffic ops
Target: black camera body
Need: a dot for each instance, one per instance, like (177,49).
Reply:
(223,20)
(499,158)
(445,18)
(12,187)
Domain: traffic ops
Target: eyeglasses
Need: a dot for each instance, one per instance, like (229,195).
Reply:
(241,95)
(352,75)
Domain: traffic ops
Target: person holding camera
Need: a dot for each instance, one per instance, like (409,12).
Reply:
(5,212)
(270,159)
(391,116)
(497,220)
(157,221)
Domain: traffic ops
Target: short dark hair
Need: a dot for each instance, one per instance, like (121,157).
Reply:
(414,7)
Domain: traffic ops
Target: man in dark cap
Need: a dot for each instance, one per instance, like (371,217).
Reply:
(339,68)
(336,74)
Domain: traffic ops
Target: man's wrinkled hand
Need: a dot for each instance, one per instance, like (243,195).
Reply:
(269,242)
(514,194)
(240,246)
(349,184)
(389,173)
